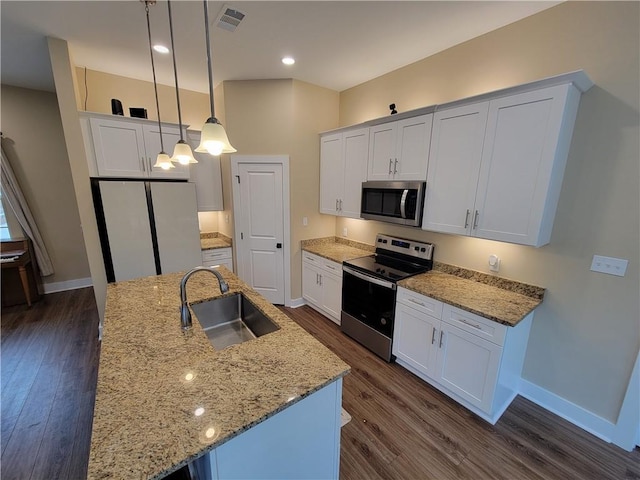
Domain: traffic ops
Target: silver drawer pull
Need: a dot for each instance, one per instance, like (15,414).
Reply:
(441,334)
(474,325)
(417,302)
(329,266)
(433,336)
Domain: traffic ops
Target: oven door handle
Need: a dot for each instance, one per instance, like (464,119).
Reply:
(369,278)
(403,203)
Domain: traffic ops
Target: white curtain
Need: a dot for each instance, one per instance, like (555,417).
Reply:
(13,194)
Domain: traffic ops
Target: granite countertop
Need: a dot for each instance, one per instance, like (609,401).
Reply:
(164,398)
(337,249)
(210,241)
(495,298)
(492,302)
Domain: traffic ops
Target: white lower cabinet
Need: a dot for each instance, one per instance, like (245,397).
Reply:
(475,361)
(322,285)
(218,256)
(301,442)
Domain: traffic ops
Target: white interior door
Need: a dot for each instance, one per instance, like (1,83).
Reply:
(259,205)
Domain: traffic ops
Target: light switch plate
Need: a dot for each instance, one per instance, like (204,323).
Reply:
(610,265)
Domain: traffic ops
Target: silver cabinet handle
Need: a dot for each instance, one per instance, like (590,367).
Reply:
(330,267)
(466,219)
(336,204)
(340,204)
(416,302)
(475,220)
(150,164)
(320,279)
(395,167)
(390,162)
(474,325)
(142,164)
(433,336)
(317,279)
(441,334)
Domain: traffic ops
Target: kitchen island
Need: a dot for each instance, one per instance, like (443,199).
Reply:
(164,398)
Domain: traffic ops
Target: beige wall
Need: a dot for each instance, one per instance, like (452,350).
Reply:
(585,335)
(274,117)
(96,92)
(41,165)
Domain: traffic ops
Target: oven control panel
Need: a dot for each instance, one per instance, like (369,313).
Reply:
(414,248)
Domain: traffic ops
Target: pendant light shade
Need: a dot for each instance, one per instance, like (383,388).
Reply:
(162,160)
(213,138)
(182,152)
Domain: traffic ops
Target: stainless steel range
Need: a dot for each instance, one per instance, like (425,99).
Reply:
(369,289)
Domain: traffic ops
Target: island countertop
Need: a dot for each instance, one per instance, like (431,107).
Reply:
(164,398)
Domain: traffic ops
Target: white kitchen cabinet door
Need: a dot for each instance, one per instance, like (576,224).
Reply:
(355,155)
(176,221)
(454,166)
(311,288)
(331,295)
(207,176)
(468,366)
(400,150)
(412,149)
(523,160)
(170,136)
(382,151)
(331,173)
(416,339)
(119,148)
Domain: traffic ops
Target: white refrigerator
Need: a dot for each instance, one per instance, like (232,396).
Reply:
(147,228)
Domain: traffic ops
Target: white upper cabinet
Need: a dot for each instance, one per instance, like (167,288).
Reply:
(343,168)
(454,166)
(207,175)
(496,167)
(400,150)
(170,136)
(127,148)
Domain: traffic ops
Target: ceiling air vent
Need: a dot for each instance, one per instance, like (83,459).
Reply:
(229,18)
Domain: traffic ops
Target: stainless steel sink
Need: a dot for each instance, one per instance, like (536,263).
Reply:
(232,320)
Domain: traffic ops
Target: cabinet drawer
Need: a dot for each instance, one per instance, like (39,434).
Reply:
(484,328)
(420,302)
(216,254)
(323,263)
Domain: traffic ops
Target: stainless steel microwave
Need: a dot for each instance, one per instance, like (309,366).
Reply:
(394,202)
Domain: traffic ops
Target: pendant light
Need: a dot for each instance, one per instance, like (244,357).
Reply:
(162,160)
(213,137)
(182,151)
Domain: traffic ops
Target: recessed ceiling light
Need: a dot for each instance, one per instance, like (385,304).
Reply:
(288,60)
(161,49)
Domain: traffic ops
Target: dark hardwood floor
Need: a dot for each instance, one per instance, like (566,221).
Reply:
(401,428)
(49,371)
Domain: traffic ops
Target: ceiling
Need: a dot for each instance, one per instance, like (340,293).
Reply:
(336,44)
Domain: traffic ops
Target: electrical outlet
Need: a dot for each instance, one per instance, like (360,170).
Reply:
(494,263)
(344,231)
(305,221)
(610,265)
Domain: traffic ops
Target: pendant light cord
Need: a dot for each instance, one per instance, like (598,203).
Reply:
(210,71)
(153,69)
(175,69)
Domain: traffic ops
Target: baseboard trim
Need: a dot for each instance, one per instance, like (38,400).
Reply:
(54,287)
(592,423)
(297,302)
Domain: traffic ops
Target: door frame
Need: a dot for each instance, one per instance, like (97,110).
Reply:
(283,160)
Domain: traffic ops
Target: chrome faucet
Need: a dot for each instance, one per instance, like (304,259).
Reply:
(185,314)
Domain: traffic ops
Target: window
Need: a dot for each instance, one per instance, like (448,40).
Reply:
(4,228)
